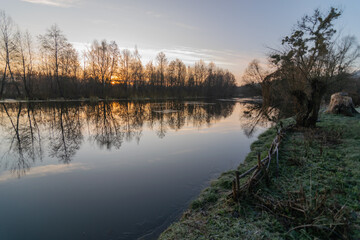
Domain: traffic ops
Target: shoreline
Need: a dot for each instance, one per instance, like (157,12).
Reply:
(10,100)
(310,164)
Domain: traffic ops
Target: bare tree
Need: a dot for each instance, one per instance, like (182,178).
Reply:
(190,79)
(52,68)
(210,78)
(162,64)
(254,73)
(8,48)
(177,73)
(150,73)
(180,72)
(256,76)
(69,62)
(200,72)
(25,54)
(125,61)
(136,68)
(53,43)
(103,59)
(114,53)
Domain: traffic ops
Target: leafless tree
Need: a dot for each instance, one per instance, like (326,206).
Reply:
(162,64)
(53,43)
(125,61)
(150,73)
(52,67)
(100,60)
(114,53)
(256,76)
(25,57)
(200,72)
(69,62)
(177,73)
(8,49)
(190,79)
(136,68)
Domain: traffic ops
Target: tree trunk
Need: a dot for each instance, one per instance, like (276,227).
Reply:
(24,79)
(3,82)
(13,80)
(308,107)
(59,86)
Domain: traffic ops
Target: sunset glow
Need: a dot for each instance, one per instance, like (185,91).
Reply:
(181,29)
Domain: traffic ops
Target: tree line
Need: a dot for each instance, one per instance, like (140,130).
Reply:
(49,66)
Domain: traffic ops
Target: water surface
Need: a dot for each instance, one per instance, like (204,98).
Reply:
(111,170)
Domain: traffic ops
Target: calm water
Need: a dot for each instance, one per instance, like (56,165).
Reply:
(117,170)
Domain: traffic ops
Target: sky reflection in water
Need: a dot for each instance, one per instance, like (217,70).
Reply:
(116,170)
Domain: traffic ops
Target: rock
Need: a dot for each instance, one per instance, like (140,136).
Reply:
(341,103)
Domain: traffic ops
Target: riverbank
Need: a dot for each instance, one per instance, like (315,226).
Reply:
(97,99)
(316,195)
(254,100)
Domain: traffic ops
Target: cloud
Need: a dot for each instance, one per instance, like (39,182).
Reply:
(54,3)
(188,55)
(154,14)
(46,170)
(234,61)
(178,24)
(186,26)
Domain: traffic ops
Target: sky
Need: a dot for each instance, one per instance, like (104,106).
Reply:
(229,33)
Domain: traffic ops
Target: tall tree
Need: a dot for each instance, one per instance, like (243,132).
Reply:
(200,72)
(114,53)
(25,55)
(53,43)
(69,62)
(177,73)
(210,78)
(190,81)
(180,72)
(136,68)
(311,60)
(150,73)
(125,61)
(100,60)
(162,63)
(256,76)
(8,49)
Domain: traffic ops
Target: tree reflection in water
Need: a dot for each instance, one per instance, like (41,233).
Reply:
(256,115)
(65,132)
(21,143)
(29,128)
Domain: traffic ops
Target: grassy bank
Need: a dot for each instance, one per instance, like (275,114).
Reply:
(316,195)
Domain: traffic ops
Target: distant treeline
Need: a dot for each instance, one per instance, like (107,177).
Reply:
(50,67)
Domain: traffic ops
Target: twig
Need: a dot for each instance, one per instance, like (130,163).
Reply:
(315,225)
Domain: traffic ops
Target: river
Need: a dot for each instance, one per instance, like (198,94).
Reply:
(112,170)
